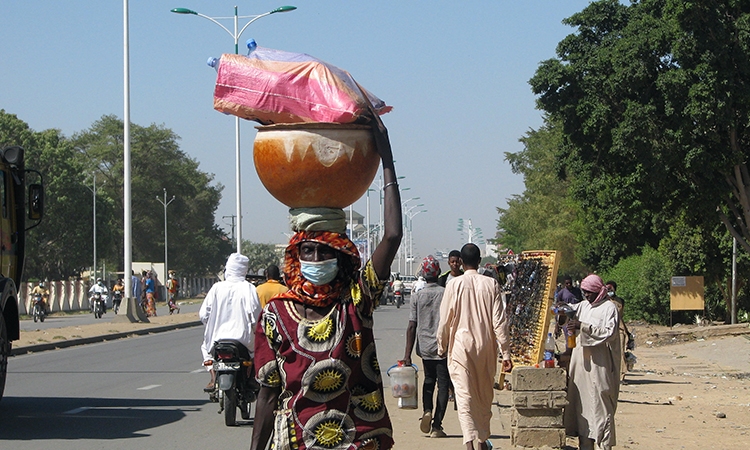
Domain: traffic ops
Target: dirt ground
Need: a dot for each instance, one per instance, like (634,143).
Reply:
(690,389)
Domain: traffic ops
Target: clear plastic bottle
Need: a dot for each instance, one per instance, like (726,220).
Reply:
(549,351)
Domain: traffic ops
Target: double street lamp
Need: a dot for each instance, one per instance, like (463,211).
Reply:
(165,203)
(236,36)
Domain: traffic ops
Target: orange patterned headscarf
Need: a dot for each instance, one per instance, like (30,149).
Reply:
(301,289)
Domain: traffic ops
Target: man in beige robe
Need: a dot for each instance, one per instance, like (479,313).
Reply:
(472,327)
(594,370)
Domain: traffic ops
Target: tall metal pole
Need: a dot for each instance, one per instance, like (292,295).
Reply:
(165,203)
(236,37)
(94,191)
(127,211)
(734,281)
(237,171)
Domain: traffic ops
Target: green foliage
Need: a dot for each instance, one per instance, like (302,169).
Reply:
(543,217)
(196,244)
(643,281)
(261,255)
(61,246)
(653,102)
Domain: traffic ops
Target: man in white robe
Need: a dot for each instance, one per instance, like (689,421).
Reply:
(230,310)
(472,327)
(594,370)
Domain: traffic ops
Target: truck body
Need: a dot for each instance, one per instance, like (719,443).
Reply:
(13,228)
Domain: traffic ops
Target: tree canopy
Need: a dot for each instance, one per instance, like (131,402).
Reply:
(61,246)
(653,99)
(543,216)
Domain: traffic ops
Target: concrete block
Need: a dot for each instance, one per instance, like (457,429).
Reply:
(539,399)
(536,418)
(537,437)
(533,379)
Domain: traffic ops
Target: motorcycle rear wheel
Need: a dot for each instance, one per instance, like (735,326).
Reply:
(230,408)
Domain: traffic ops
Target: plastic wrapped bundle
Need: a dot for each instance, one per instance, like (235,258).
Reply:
(273,86)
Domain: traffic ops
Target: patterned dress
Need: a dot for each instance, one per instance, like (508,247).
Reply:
(328,372)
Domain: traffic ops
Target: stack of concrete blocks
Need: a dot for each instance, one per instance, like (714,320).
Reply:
(539,396)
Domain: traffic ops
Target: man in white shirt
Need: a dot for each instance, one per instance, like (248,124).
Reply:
(230,310)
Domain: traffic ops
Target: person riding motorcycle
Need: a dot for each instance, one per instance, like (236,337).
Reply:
(118,287)
(41,290)
(100,288)
(398,286)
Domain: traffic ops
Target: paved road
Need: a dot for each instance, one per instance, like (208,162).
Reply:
(135,393)
(66,320)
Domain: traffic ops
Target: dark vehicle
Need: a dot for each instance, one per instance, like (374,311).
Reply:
(398,297)
(39,311)
(97,304)
(13,225)
(235,384)
(116,300)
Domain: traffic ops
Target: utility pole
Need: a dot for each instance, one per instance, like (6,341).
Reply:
(231,217)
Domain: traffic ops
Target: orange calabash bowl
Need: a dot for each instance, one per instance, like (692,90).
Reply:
(316,164)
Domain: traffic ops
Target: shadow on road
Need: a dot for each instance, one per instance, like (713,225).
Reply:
(38,418)
(636,379)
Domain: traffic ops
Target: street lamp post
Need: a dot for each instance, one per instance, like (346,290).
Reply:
(93,190)
(165,203)
(410,215)
(236,36)
(402,251)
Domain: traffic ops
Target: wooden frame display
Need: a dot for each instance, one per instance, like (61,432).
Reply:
(531,278)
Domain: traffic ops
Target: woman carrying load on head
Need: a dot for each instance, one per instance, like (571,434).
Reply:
(314,347)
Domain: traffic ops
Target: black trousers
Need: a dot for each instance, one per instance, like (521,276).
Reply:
(435,370)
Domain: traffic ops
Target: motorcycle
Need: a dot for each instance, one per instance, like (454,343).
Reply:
(235,385)
(98,304)
(116,300)
(39,310)
(398,298)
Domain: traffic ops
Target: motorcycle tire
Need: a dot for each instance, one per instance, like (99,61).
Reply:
(42,315)
(230,408)
(36,313)
(97,313)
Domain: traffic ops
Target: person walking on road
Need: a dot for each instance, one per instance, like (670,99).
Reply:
(315,353)
(150,290)
(423,321)
(626,339)
(473,325)
(594,369)
(173,288)
(454,263)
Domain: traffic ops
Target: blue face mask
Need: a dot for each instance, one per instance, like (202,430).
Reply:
(319,273)
(611,294)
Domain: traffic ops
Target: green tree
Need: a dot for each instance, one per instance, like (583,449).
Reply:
(643,281)
(260,255)
(197,245)
(60,246)
(543,217)
(654,103)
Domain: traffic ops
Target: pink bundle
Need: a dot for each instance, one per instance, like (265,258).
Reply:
(274,86)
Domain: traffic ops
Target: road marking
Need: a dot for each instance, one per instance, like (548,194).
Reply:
(199,371)
(151,386)
(78,410)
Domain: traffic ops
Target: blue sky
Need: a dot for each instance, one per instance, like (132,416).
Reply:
(456,74)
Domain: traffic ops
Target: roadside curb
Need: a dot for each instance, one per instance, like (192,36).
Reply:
(101,338)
